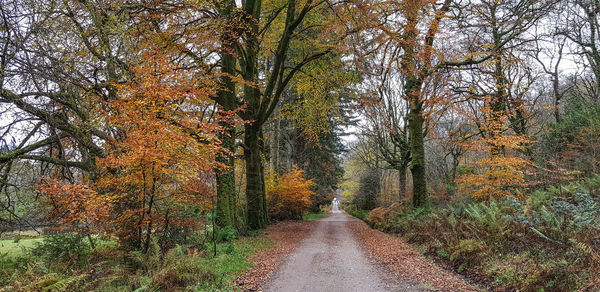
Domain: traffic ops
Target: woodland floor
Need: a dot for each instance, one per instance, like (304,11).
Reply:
(341,253)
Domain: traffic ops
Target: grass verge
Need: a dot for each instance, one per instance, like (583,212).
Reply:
(360,214)
(313,216)
(108,269)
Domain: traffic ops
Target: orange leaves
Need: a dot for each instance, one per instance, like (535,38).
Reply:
(160,164)
(288,196)
(164,159)
(75,206)
(167,130)
(497,176)
(405,261)
(500,172)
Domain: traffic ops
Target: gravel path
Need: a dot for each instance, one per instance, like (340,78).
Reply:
(330,259)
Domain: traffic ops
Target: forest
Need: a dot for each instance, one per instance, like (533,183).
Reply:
(197,145)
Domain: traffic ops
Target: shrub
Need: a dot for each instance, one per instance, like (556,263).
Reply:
(288,196)
(382,218)
(67,248)
(226,233)
(572,142)
(369,188)
(184,272)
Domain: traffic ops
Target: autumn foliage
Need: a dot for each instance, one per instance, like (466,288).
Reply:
(76,207)
(158,173)
(500,171)
(288,196)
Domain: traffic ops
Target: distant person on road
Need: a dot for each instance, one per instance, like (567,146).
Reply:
(334,207)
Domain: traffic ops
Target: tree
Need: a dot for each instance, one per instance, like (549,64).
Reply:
(227,99)
(550,59)
(267,35)
(261,102)
(306,129)
(498,174)
(498,93)
(157,174)
(580,25)
(369,187)
(507,77)
(387,128)
(409,29)
(55,65)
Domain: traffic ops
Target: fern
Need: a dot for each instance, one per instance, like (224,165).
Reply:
(99,282)
(586,250)
(467,248)
(63,284)
(540,234)
(550,218)
(593,183)
(43,281)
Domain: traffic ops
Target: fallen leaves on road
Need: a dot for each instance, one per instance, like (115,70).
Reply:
(405,261)
(286,236)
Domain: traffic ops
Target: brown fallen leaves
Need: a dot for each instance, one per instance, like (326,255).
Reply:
(405,261)
(286,236)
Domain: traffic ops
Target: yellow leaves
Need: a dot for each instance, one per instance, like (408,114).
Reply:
(318,90)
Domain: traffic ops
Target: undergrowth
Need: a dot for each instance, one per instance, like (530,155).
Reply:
(549,241)
(65,263)
(360,214)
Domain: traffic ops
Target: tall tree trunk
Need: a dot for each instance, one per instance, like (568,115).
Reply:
(417,147)
(255,189)
(255,194)
(499,103)
(412,89)
(557,95)
(226,192)
(263,191)
(274,157)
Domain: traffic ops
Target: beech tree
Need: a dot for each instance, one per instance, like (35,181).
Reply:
(156,175)
(581,26)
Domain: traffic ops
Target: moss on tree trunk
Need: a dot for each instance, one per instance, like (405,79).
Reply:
(417,148)
(255,184)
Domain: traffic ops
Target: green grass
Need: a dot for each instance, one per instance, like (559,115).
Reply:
(231,260)
(360,214)
(313,216)
(231,257)
(208,272)
(17,247)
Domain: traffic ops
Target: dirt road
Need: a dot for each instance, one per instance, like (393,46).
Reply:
(330,259)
